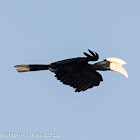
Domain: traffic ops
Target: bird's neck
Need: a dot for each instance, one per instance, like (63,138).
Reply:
(104,65)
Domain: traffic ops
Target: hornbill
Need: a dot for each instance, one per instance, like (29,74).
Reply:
(77,72)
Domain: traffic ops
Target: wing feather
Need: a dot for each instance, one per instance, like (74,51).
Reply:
(80,76)
(81,81)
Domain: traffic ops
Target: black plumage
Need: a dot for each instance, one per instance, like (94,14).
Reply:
(77,72)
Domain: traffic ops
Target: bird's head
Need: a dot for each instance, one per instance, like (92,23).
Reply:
(113,64)
(116,65)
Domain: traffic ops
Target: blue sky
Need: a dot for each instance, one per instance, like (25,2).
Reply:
(41,32)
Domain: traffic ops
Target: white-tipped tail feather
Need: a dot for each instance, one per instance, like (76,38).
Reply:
(22,68)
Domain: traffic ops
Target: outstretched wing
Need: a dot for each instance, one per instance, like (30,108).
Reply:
(93,56)
(80,79)
(77,73)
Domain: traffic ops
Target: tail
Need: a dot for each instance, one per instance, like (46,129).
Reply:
(25,68)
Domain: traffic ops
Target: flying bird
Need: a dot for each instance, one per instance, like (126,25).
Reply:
(77,72)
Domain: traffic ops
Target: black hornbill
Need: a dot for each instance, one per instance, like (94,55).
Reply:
(77,72)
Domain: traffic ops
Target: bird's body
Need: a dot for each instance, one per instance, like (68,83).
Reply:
(76,72)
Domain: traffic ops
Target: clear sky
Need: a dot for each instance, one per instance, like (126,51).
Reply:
(45,31)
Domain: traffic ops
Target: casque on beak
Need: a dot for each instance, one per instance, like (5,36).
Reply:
(116,65)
